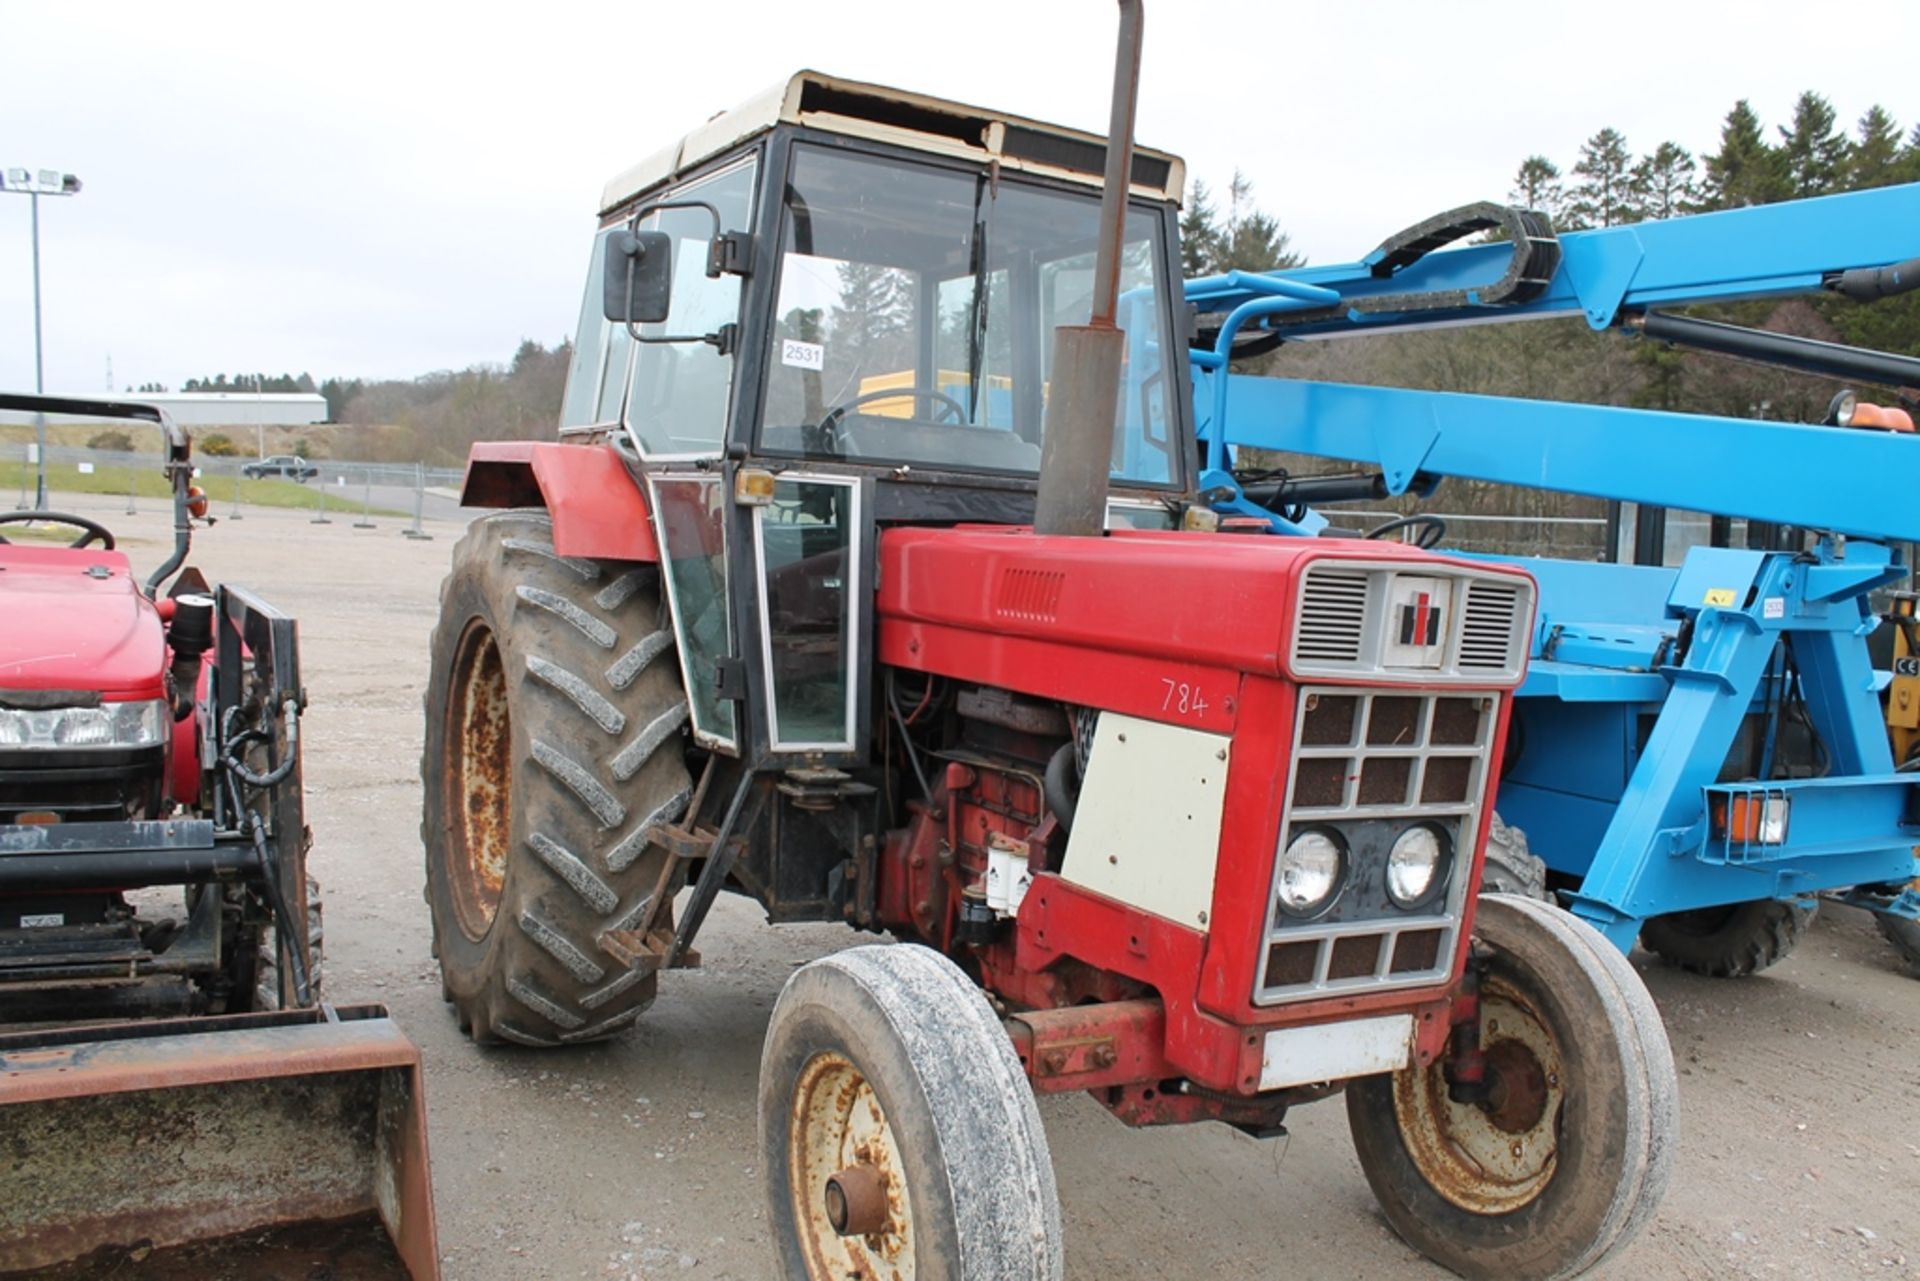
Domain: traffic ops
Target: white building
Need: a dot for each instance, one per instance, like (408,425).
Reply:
(233,408)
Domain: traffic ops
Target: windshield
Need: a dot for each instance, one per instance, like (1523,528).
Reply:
(916,311)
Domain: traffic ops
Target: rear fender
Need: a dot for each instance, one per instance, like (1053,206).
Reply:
(598,509)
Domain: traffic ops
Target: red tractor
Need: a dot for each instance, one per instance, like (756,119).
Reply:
(1188,821)
(153,853)
(145,740)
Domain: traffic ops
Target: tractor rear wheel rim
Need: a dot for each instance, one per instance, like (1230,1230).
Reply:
(837,1126)
(1493,1157)
(479,782)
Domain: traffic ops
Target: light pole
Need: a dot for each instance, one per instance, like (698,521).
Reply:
(35,183)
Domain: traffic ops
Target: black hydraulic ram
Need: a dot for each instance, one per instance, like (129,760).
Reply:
(123,855)
(1809,355)
(1870,284)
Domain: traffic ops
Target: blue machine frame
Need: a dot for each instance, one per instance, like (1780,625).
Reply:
(1643,679)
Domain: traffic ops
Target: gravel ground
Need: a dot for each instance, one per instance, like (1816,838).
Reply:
(1800,1090)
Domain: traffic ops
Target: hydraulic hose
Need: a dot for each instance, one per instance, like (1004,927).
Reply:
(233,742)
(282,914)
(1870,284)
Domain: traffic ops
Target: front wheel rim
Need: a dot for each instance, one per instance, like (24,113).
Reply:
(1499,1156)
(836,1125)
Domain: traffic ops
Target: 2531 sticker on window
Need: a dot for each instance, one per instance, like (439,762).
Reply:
(802,355)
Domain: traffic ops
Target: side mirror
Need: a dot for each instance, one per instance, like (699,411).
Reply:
(638,285)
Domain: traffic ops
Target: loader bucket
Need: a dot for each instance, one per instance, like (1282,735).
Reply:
(264,1146)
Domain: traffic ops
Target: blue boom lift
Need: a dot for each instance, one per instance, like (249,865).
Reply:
(1699,749)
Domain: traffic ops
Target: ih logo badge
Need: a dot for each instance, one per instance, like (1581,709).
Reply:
(1417,621)
(1420,621)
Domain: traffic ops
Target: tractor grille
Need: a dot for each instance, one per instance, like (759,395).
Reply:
(1445,623)
(1368,764)
(1487,627)
(83,786)
(1333,615)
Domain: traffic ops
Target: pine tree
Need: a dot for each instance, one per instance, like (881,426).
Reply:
(872,322)
(1258,244)
(1606,195)
(1812,151)
(1907,167)
(1874,159)
(1252,240)
(1239,192)
(339,392)
(1536,185)
(872,303)
(1745,171)
(1199,236)
(1665,181)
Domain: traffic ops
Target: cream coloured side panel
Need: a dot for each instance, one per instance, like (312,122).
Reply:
(1146,830)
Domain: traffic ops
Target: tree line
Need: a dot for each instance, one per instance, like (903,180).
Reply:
(1812,156)
(435,417)
(338,391)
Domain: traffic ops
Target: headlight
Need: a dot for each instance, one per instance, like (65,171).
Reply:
(1414,865)
(1311,871)
(110,725)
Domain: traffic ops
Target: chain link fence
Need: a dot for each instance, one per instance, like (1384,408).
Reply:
(110,479)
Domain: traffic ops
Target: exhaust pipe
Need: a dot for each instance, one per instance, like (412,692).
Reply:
(1076,451)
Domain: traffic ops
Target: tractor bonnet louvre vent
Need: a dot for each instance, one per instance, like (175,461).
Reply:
(1333,616)
(1486,636)
(1030,594)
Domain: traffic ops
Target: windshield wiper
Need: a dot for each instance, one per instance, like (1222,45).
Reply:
(977,331)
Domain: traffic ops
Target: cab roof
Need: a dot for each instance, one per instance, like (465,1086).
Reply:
(903,119)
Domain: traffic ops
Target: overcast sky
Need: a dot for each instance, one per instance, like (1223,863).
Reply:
(384,190)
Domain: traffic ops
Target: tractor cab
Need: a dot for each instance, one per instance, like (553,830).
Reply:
(831,311)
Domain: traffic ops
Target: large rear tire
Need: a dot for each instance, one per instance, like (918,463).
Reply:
(1571,1154)
(1729,942)
(554,746)
(898,1134)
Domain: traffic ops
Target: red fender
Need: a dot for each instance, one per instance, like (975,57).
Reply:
(598,509)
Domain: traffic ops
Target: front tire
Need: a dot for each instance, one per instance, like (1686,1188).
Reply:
(886,1082)
(1904,935)
(266,994)
(1572,1152)
(554,717)
(1511,866)
(1732,941)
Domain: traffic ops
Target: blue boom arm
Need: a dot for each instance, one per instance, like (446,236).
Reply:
(1642,678)
(1761,252)
(1730,466)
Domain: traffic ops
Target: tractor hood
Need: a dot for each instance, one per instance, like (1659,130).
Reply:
(75,620)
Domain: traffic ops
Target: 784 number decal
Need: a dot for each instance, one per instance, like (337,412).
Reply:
(1183,698)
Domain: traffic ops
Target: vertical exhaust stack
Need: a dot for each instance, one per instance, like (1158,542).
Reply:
(1077,447)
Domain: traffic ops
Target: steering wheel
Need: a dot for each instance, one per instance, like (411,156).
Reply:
(90,531)
(949,409)
(1432,530)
